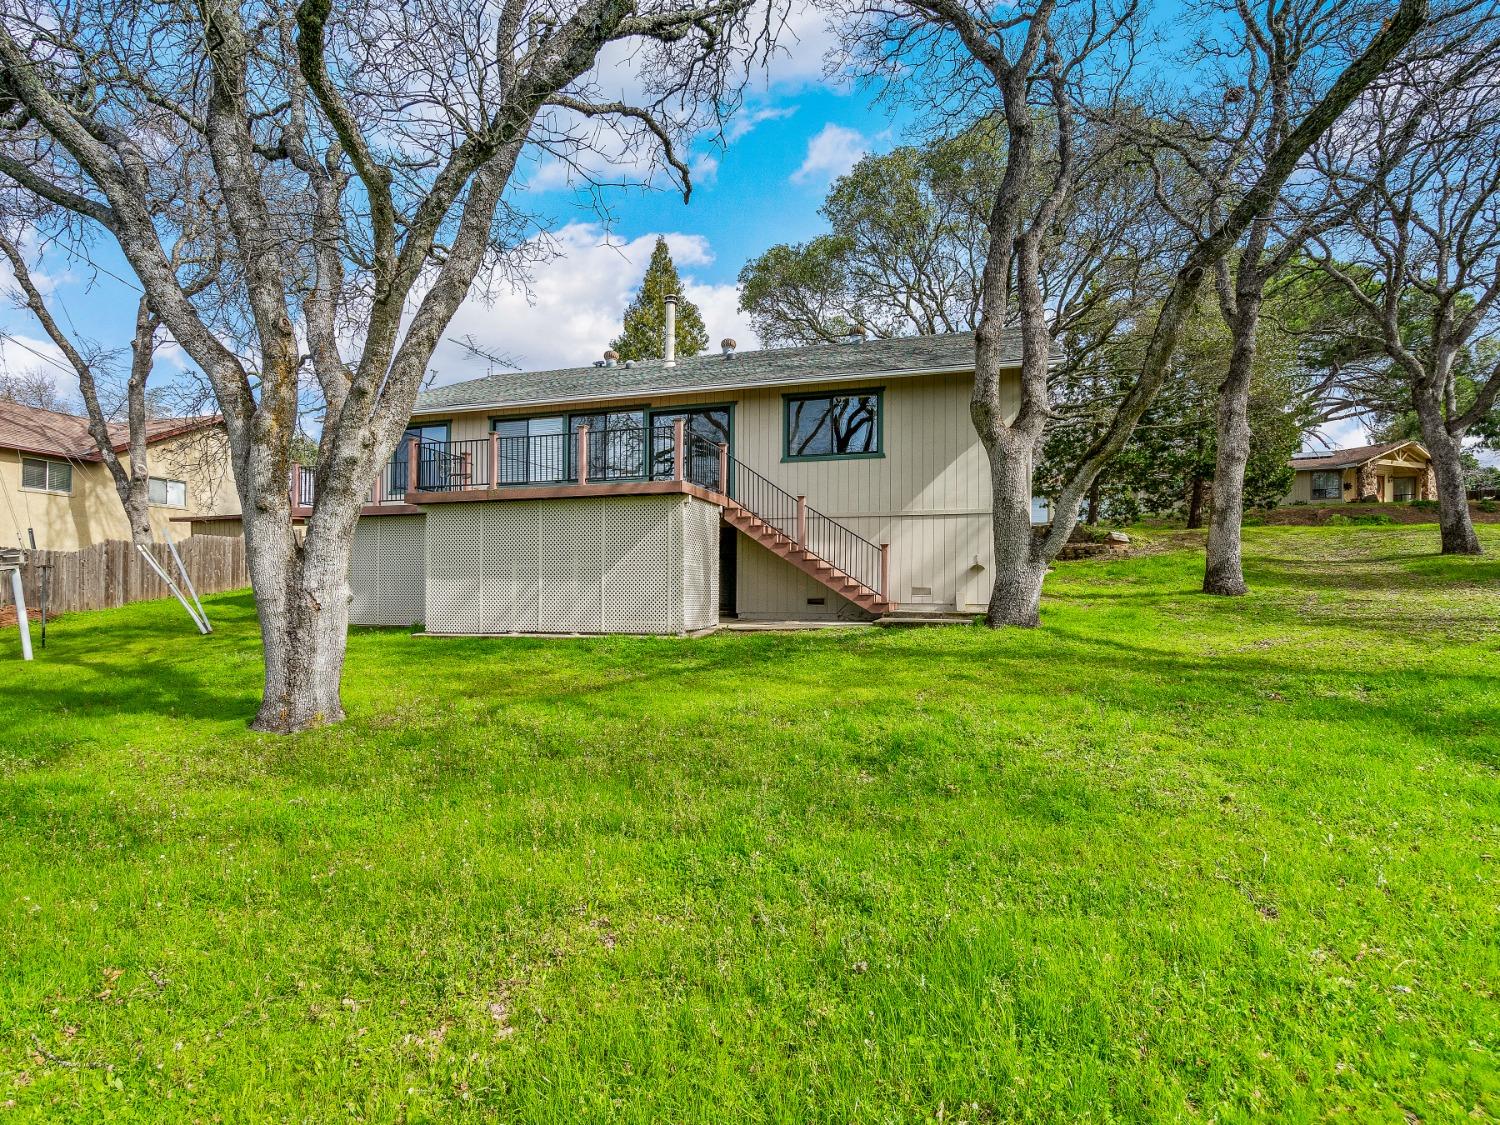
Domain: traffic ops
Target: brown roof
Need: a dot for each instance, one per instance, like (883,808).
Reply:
(1351,458)
(33,430)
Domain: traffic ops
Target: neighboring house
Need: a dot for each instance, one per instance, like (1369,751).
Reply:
(60,496)
(836,482)
(1393,471)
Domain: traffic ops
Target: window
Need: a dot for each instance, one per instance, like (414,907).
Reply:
(617,443)
(705,428)
(46,476)
(1327,486)
(430,462)
(841,424)
(167,493)
(532,450)
(1405,488)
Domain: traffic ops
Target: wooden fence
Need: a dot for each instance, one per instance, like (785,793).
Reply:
(113,573)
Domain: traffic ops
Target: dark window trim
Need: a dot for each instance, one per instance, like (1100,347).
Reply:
(805,396)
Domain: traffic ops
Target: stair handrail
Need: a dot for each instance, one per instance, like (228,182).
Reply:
(835,543)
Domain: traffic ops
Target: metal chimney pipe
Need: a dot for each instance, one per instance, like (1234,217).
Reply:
(669,344)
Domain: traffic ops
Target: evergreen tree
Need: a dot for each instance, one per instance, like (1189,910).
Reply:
(645,319)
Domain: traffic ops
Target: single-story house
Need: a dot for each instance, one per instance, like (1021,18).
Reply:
(837,482)
(60,496)
(1391,471)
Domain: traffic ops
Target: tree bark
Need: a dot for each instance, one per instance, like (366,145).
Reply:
(1017,594)
(1456,527)
(1223,572)
(302,601)
(1093,519)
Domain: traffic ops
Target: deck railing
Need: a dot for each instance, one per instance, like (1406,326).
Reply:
(620,454)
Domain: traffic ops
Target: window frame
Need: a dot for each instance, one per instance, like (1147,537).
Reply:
(167,503)
(1338,485)
(48,463)
(787,399)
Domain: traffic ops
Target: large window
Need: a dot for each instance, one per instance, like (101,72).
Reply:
(617,443)
(167,493)
(46,476)
(1327,486)
(431,465)
(839,424)
(1404,488)
(705,430)
(532,450)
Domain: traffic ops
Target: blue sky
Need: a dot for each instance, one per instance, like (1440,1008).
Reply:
(794,135)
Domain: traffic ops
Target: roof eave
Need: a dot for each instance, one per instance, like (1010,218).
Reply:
(701,388)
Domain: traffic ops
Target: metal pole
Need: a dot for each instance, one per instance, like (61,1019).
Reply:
(167,578)
(46,581)
(21,618)
(186,577)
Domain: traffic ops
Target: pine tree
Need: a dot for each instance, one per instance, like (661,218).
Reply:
(646,317)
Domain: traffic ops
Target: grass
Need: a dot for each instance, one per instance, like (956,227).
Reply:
(1166,858)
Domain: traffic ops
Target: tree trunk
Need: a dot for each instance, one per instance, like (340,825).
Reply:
(1453,501)
(1017,594)
(1223,573)
(1093,519)
(1195,502)
(302,600)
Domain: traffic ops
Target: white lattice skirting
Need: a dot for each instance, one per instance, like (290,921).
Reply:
(615,564)
(386,571)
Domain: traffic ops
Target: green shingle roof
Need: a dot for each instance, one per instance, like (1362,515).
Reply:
(769,367)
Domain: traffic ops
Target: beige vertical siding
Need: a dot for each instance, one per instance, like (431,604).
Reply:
(928,496)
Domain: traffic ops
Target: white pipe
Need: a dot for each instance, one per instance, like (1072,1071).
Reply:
(21,619)
(167,578)
(187,578)
(669,344)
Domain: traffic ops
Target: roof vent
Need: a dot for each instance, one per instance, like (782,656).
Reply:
(630,363)
(611,358)
(728,345)
(598,363)
(856,336)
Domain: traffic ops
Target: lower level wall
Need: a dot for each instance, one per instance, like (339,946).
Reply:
(619,564)
(387,571)
(940,562)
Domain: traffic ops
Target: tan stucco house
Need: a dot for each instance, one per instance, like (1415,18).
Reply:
(1392,471)
(835,482)
(58,494)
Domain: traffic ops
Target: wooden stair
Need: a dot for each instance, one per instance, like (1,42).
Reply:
(785,547)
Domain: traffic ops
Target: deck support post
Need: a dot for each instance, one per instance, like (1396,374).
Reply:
(413,451)
(679,445)
(494,459)
(466,468)
(724,468)
(802,521)
(293,492)
(583,455)
(885,570)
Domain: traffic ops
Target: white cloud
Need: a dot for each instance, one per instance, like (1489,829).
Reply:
(832,151)
(576,302)
(746,120)
(22,354)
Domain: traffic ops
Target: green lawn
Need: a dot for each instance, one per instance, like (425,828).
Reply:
(1166,858)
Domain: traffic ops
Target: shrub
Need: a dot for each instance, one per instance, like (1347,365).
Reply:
(1425,505)
(1369,519)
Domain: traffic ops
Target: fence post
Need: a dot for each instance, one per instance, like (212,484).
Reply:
(724,467)
(885,570)
(680,449)
(802,521)
(494,459)
(413,451)
(583,455)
